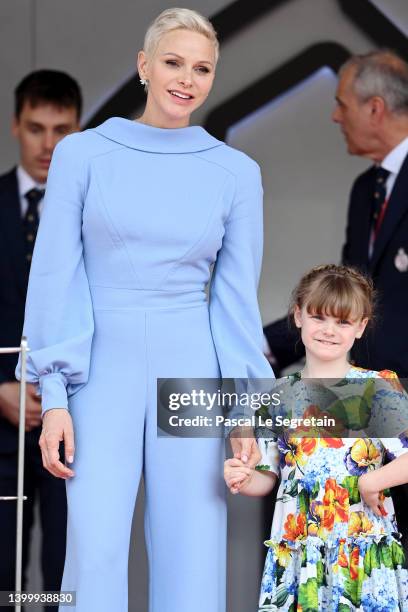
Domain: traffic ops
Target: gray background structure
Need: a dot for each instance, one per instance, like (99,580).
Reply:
(306,171)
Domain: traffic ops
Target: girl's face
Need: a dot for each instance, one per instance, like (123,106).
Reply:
(180,75)
(325,337)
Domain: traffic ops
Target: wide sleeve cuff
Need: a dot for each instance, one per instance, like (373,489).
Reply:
(53,391)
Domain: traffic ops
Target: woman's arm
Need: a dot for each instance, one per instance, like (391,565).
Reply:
(59,316)
(234,312)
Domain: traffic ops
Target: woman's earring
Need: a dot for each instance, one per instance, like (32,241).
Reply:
(143,81)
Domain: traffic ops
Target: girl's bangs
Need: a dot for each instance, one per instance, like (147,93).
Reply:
(337,298)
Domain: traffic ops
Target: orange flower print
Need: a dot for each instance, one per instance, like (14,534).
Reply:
(342,559)
(354,559)
(314,411)
(295,527)
(336,504)
(381,497)
(296,450)
(392,378)
(332,442)
(308,445)
(359,523)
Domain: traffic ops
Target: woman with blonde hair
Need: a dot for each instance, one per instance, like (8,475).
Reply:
(135,214)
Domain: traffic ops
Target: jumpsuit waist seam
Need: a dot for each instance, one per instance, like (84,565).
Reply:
(144,308)
(124,299)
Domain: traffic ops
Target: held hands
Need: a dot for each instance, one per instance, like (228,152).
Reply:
(246,457)
(371,494)
(10,405)
(236,475)
(57,427)
(244,446)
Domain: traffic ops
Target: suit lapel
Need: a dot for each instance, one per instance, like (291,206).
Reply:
(11,226)
(396,209)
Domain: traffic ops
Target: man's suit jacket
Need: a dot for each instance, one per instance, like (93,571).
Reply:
(13,286)
(385,346)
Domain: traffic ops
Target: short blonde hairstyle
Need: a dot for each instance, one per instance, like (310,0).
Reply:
(178,19)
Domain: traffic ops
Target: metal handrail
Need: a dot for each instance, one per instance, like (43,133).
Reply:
(20,497)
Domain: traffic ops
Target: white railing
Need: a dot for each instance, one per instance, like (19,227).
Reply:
(23,349)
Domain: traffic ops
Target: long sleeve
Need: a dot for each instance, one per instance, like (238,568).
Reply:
(234,312)
(58,316)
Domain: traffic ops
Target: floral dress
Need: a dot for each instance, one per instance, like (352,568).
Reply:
(328,551)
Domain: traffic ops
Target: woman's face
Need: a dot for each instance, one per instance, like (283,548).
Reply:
(180,75)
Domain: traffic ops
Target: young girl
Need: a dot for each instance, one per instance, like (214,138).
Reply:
(334,542)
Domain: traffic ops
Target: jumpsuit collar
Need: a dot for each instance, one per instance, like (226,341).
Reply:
(144,137)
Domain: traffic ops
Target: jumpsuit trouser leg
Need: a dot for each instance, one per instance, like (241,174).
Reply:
(114,419)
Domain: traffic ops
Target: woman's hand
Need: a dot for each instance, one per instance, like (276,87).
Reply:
(57,427)
(370,493)
(236,475)
(244,446)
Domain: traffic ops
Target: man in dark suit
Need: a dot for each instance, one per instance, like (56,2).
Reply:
(372,112)
(47,107)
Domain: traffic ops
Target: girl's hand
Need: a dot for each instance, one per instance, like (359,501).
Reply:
(57,427)
(370,493)
(236,475)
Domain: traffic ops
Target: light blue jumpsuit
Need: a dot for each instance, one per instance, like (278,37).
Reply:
(134,216)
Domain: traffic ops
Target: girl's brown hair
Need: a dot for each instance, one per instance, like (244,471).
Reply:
(339,291)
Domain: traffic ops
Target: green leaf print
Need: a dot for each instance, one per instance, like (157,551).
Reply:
(292,608)
(375,559)
(303,501)
(308,595)
(367,564)
(263,468)
(369,391)
(372,559)
(315,491)
(263,412)
(291,474)
(343,608)
(358,412)
(291,488)
(304,557)
(353,411)
(320,576)
(281,596)
(385,554)
(353,588)
(351,484)
(398,555)
(338,411)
